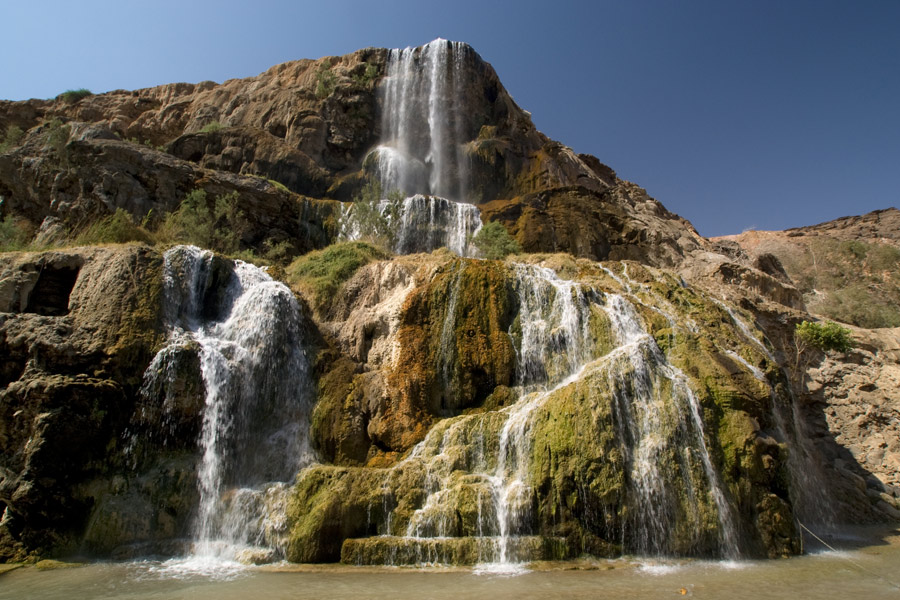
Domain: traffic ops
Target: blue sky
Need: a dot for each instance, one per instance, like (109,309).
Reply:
(735,115)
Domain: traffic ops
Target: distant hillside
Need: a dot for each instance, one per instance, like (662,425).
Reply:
(848,269)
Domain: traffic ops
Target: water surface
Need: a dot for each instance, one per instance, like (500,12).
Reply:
(857,571)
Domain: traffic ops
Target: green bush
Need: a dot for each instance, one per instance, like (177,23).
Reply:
(493,242)
(11,139)
(117,228)
(211,127)
(326,80)
(374,216)
(825,337)
(218,228)
(367,76)
(58,134)
(323,271)
(14,234)
(73,96)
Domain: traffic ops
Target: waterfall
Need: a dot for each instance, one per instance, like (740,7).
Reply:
(423,128)
(811,505)
(423,224)
(486,458)
(247,330)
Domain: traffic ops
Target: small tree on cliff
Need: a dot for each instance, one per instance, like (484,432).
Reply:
(810,338)
(493,242)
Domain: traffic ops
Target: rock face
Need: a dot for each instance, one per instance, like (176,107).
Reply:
(856,405)
(847,269)
(465,356)
(75,325)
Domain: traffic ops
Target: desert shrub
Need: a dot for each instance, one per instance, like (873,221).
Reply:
(73,96)
(218,227)
(326,80)
(493,242)
(117,228)
(58,134)
(366,77)
(211,127)
(884,258)
(11,138)
(14,234)
(278,252)
(825,337)
(861,305)
(322,272)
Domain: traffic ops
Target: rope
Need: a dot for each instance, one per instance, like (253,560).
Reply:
(848,559)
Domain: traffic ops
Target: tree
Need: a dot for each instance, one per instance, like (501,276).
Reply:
(808,335)
(826,337)
(493,242)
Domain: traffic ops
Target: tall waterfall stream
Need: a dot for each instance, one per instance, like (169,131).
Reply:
(256,377)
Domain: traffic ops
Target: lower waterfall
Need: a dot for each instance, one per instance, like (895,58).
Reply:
(482,464)
(247,330)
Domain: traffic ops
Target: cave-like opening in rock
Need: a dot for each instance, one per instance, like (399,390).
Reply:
(50,295)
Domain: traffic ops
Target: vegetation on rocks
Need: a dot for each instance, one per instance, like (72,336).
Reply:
(11,138)
(826,337)
(322,272)
(118,228)
(218,227)
(494,242)
(73,96)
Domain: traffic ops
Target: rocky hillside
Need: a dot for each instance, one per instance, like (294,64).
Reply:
(621,385)
(308,126)
(848,269)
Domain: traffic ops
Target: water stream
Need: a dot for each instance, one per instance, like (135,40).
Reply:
(422,124)
(657,415)
(254,437)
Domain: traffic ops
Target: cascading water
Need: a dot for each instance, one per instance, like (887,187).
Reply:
(423,129)
(643,413)
(812,507)
(486,458)
(248,334)
(421,154)
(423,224)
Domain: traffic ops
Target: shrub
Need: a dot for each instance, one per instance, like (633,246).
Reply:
(326,80)
(219,228)
(118,228)
(211,127)
(367,76)
(73,96)
(323,271)
(493,242)
(11,139)
(14,234)
(372,217)
(825,337)
(58,134)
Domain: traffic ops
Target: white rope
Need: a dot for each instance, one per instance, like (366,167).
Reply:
(848,559)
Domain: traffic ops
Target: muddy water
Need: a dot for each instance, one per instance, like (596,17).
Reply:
(867,569)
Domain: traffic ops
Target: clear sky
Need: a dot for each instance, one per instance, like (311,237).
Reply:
(759,114)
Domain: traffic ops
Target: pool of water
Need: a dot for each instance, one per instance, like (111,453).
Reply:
(862,568)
